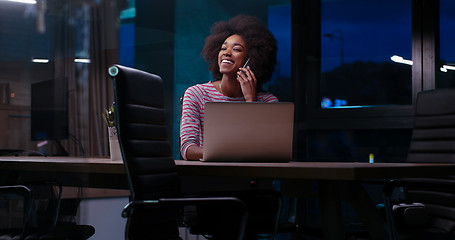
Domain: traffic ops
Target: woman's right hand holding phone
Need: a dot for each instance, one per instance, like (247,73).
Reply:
(248,82)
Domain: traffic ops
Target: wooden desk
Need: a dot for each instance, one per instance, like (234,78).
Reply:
(68,171)
(334,178)
(103,173)
(340,171)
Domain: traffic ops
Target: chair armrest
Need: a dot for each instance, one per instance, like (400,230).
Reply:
(127,210)
(430,183)
(422,183)
(19,190)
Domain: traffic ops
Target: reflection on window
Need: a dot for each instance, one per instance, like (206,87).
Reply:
(360,44)
(190,68)
(447,48)
(386,146)
(279,23)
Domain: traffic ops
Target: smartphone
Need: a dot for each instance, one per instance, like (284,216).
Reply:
(245,65)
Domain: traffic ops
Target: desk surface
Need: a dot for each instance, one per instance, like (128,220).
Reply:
(104,173)
(62,164)
(291,170)
(316,170)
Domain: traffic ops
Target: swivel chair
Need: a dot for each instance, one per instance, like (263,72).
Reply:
(156,202)
(424,208)
(13,224)
(30,211)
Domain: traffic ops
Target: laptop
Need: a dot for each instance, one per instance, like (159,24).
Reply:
(248,132)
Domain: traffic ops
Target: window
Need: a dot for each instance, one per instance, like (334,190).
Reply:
(446,73)
(354,79)
(353,63)
(365,53)
(191,69)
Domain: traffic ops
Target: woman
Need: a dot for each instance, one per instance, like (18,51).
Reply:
(243,39)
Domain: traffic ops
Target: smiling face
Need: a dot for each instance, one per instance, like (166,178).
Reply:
(232,55)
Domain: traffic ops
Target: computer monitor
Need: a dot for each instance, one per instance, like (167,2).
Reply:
(49,110)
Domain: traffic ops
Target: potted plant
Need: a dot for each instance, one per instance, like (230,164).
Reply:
(114,147)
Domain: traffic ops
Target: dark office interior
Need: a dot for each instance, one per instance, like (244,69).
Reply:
(352,68)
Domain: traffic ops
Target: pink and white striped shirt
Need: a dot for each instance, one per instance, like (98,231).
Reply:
(192,122)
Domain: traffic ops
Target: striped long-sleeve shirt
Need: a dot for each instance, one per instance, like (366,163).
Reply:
(192,122)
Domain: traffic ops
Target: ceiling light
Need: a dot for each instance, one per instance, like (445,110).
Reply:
(40,60)
(399,59)
(449,67)
(82,60)
(23,1)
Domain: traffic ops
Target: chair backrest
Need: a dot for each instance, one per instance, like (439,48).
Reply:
(433,137)
(433,141)
(140,116)
(46,210)
(16,204)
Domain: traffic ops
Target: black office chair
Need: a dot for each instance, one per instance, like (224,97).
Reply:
(421,208)
(16,206)
(31,212)
(156,205)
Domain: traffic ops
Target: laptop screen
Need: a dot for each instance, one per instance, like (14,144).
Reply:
(249,132)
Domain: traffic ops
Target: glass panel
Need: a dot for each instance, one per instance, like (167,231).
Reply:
(27,67)
(190,68)
(66,40)
(446,76)
(365,53)
(377,146)
(43,44)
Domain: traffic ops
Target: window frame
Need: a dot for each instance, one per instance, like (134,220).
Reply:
(306,70)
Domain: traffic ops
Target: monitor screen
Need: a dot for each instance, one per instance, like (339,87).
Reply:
(49,110)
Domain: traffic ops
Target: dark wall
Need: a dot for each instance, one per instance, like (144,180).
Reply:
(154,44)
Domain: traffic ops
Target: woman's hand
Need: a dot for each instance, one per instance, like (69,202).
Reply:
(194,152)
(248,83)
